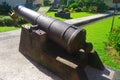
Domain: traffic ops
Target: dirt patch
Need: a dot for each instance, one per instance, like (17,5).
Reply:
(114,54)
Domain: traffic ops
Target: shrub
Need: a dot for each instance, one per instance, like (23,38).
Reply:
(93,9)
(46,3)
(21,20)
(66,9)
(78,9)
(6,20)
(80,4)
(84,9)
(101,6)
(114,38)
(73,5)
(87,4)
(71,10)
(69,2)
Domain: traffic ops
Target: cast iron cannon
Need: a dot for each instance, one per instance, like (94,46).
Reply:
(48,42)
(68,36)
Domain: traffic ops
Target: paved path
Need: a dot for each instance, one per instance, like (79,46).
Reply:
(88,19)
(14,66)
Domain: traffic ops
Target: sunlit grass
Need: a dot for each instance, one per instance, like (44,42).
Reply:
(97,34)
(73,15)
(7,28)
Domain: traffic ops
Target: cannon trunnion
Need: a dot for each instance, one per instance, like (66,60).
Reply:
(60,47)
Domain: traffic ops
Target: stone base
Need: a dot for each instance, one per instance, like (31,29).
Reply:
(35,44)
(63,15)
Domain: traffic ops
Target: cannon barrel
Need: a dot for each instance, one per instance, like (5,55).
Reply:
(68,36)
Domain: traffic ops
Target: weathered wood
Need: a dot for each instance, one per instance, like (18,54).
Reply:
(35,44)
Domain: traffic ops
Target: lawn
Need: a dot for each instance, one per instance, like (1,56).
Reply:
(97,34)
(73,15)
(7,28)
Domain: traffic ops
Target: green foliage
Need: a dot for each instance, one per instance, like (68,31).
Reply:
(78,9)
(64,2)
(69,2)
(71,10)
(46,2)
(102,7)
(21,20)
(114,38)
(85,9)
(8,21)
(93,9)
(88,5)
(66,9)
(73,5)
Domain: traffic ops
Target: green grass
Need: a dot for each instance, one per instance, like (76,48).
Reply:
(7,28)
(73,15)
(97,34)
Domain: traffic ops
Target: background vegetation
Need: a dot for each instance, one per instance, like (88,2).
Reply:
(83,5)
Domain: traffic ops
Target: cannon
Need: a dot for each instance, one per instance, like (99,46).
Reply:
(68,36)
(59,46)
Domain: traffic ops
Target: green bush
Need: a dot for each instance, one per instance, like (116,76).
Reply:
(84,9)
(6,20)
(21,20)
(73,5)
(69,2)
(46,3)
(93,9)
(87,4)
(80,4)
(78,9)
(66,9)
(102,7)
(114,38)
(71,10)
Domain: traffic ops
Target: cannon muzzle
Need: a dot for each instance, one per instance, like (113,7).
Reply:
(68,36)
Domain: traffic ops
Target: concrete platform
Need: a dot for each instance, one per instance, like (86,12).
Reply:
(89,19)
(14,66)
